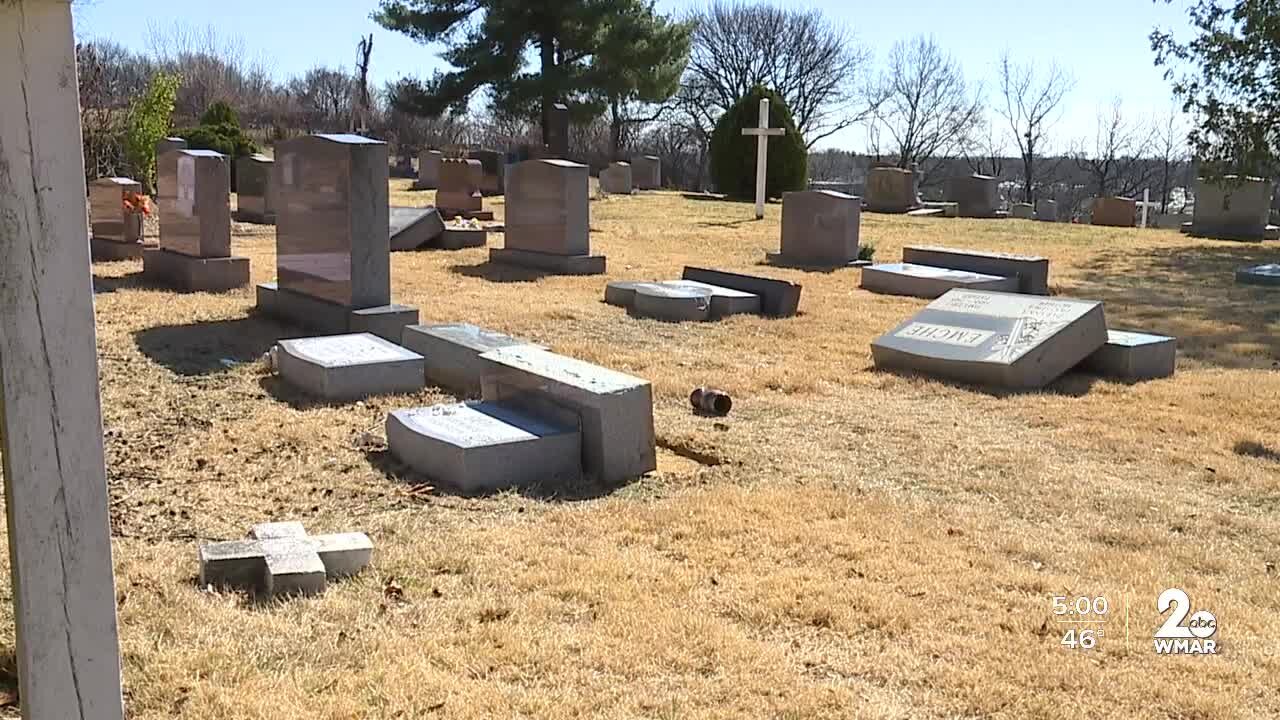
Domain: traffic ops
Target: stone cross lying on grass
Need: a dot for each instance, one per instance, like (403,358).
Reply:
(762,133)
(281,559)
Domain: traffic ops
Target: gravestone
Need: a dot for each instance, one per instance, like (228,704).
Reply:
(778,298)
(945,209)
(168,144)
(762,133)
(646,172)
(117,233)
(1032,272)
(621,293)
(1022,211)
(1268,274)
(1134,356)
(819,229)
(65,647)
(452,353)
(994,339)
(457,236)
(1047,210)
(254,193)
(483,447)
(615,410)
(1114,211)
(977,195)
(281,559)
(459,192)
(548,219)
(557,132)
(349,367)
(927,281)
(412,228)
(1232,209)
(195,225)
(723,301)
(891,190)
(428,170)
(333,233)
(492,164)
(616,179)
(671,303)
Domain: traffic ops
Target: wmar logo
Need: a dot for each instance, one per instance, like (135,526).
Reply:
(1193,638)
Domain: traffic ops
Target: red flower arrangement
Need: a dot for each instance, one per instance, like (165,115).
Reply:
(137,203)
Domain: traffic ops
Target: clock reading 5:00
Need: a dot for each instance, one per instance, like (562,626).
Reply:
(1083,605)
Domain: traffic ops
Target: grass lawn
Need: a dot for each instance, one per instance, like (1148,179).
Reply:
(848,543)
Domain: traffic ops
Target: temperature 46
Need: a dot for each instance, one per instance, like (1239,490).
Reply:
(1082,619)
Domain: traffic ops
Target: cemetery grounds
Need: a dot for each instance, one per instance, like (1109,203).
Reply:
(847,543)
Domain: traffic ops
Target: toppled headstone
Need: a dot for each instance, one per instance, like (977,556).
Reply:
(724,301)
(1114,211)
(349,367)
(646,172)
(116,214)
(891,190)
(819,229)
(412,228)
(1134,356)
(1232,208)
(1047,210)
(548,219)
(977,195)
(478,447)
(615,409)
(1032,272)
(720,301)
(778,298)
(671,303)
(281,559)
(255,201)
(195,225)
(616,179)
(994,339)
(926,281)
(452,353)
(428,170)
(1268,274)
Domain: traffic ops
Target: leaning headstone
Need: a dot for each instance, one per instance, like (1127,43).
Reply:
(548,219)
(891,190)
(65,648)
(1047,210)
(1022,211)
(977,195)
(994,339)
(349,367)
(1114,211)
(281,559)
(819,229)
(459,192)
(646,172)
(616,179)
(1233,208)
(558,133)
(1134,356)
(484,447)
(114,206)
(333,233)
(428,170)
(1032,272)
(615,410)
(254,200)
(412,228)
(926,281)
(778,298)
(195,225)
(1268,274)
(452,353)
(492,164)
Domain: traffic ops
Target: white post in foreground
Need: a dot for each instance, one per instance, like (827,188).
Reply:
(763,132)
(55,480)
(1146,198)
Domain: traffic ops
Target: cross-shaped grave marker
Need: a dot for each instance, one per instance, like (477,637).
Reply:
(762,133)
(281,559)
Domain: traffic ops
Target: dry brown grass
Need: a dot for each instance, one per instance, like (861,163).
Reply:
(847,544)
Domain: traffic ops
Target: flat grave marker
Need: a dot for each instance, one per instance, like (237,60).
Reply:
(1032,271)
(349,367)
(1268,274)
(280,559)
(452,353)
(926,281)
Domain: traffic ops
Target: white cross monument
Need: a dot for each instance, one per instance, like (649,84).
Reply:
(55,481)
(762,133)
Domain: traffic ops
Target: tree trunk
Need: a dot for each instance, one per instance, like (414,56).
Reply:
(547,51)
(615,130)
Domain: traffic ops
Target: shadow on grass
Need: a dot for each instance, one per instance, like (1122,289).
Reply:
(728,223)
(1249,448)
(382,460)
(8,680)
(281,391)
(1189,292)
(208,347)
(1073,383)
(499,273)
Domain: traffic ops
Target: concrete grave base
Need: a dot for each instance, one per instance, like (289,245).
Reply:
(385,321)
(478,447)
(412,228)
(481,215)
(459,238)
(550,262)
(1032,272)
(1022,211)
(349,367)
(615,410)
(949,209)
(671,303)
(925,281)
(623,292)
(926,212)
(194,274)
(1268,274)
(1134,356)
(778,298)
(780,260)
(110,250)
(452,353)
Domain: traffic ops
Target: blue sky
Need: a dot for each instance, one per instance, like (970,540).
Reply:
(1102,42)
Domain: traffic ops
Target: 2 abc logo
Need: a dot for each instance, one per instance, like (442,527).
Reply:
(1192,637)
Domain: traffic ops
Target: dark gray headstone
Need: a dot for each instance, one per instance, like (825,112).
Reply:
(1268,274)
(558,131)
(414,227)
(778,298)
(1134,356)
(930,282)
(1032,272)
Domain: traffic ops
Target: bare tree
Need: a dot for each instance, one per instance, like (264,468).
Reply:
(362,105)
(213,68)
(325,95)
(983,152)
(1117,164)
(814,63)
(1032,103)
(1171,151)
(929,111)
